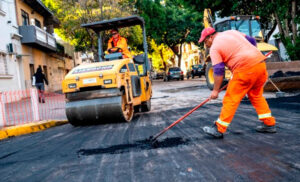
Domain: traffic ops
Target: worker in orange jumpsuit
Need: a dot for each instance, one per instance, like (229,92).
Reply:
(234,50)
(118,44)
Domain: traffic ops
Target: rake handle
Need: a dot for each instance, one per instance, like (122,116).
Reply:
(184,116)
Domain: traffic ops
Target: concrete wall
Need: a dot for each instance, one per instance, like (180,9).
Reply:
(10,79)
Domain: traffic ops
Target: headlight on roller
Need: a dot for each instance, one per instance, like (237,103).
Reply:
(107,81)
(72,85)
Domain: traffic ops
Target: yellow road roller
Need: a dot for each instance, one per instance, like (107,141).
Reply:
(113,88)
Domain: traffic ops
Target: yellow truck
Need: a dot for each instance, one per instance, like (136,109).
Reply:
(247,24)
(113,88)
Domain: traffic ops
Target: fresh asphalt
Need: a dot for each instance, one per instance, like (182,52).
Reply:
(121,151)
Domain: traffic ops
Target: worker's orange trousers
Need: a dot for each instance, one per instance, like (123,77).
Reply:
(250,82)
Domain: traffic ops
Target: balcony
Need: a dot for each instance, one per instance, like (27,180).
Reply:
(37,37)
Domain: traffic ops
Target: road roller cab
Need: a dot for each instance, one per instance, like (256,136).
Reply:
(113,88)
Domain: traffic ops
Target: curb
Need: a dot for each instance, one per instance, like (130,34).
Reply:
(13,131)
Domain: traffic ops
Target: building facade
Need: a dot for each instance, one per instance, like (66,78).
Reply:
(190,56)
(10,48)
(39,45)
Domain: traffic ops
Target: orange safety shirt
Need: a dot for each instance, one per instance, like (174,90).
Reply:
(121,43)
(232,48)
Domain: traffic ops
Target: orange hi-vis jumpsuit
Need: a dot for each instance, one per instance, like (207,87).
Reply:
(249,76)
(121,43)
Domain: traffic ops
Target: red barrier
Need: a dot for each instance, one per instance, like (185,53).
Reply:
(23,106)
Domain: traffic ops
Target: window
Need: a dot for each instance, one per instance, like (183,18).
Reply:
(255,28)
(221,27)
(131,67)
(25,18)
(123,69)
(3,65)
(174,69)
(37,23)
(242,26)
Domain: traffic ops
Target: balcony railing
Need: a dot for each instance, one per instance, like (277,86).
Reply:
(36,36)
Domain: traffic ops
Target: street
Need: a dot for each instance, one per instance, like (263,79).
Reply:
(121,152)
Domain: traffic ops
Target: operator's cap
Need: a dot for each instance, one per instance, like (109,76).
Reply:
(206,32)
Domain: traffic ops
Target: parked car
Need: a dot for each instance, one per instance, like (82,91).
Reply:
(160,74)
(157,74)
(196,70)
(173,73)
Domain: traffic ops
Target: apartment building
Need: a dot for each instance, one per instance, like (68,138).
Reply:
(39,46)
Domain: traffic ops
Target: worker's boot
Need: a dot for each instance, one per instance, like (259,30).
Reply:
(265,128)
(213,131)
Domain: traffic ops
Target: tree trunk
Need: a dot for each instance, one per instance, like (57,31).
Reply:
(286,23)
(177,53)
(180,55)
(101,8)
(179,60)
(281,32)
(162,57)
(294,27)
(268,36)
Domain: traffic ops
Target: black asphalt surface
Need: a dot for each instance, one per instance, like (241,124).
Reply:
(121,151)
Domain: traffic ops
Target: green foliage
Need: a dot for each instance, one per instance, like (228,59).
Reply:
(293,49)
(160,55)
(268,10)
(169,23)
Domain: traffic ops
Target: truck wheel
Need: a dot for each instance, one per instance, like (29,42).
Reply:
(209,75)
(127,109)
(146,106)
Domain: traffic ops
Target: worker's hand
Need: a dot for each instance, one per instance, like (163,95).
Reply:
(214,94)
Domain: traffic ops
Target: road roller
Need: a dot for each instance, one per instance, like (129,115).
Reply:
(112,88)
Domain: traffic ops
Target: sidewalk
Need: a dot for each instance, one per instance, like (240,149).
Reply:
(12,131)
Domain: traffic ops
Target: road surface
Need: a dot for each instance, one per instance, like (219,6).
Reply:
(121,152)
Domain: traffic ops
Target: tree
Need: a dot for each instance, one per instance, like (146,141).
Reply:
(170,23)
(282,13)
(160,55)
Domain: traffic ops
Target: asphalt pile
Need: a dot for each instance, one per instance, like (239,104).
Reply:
(136,146)
(278,74)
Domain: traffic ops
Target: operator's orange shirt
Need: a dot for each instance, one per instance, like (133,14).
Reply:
(121,43)
(232,48)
